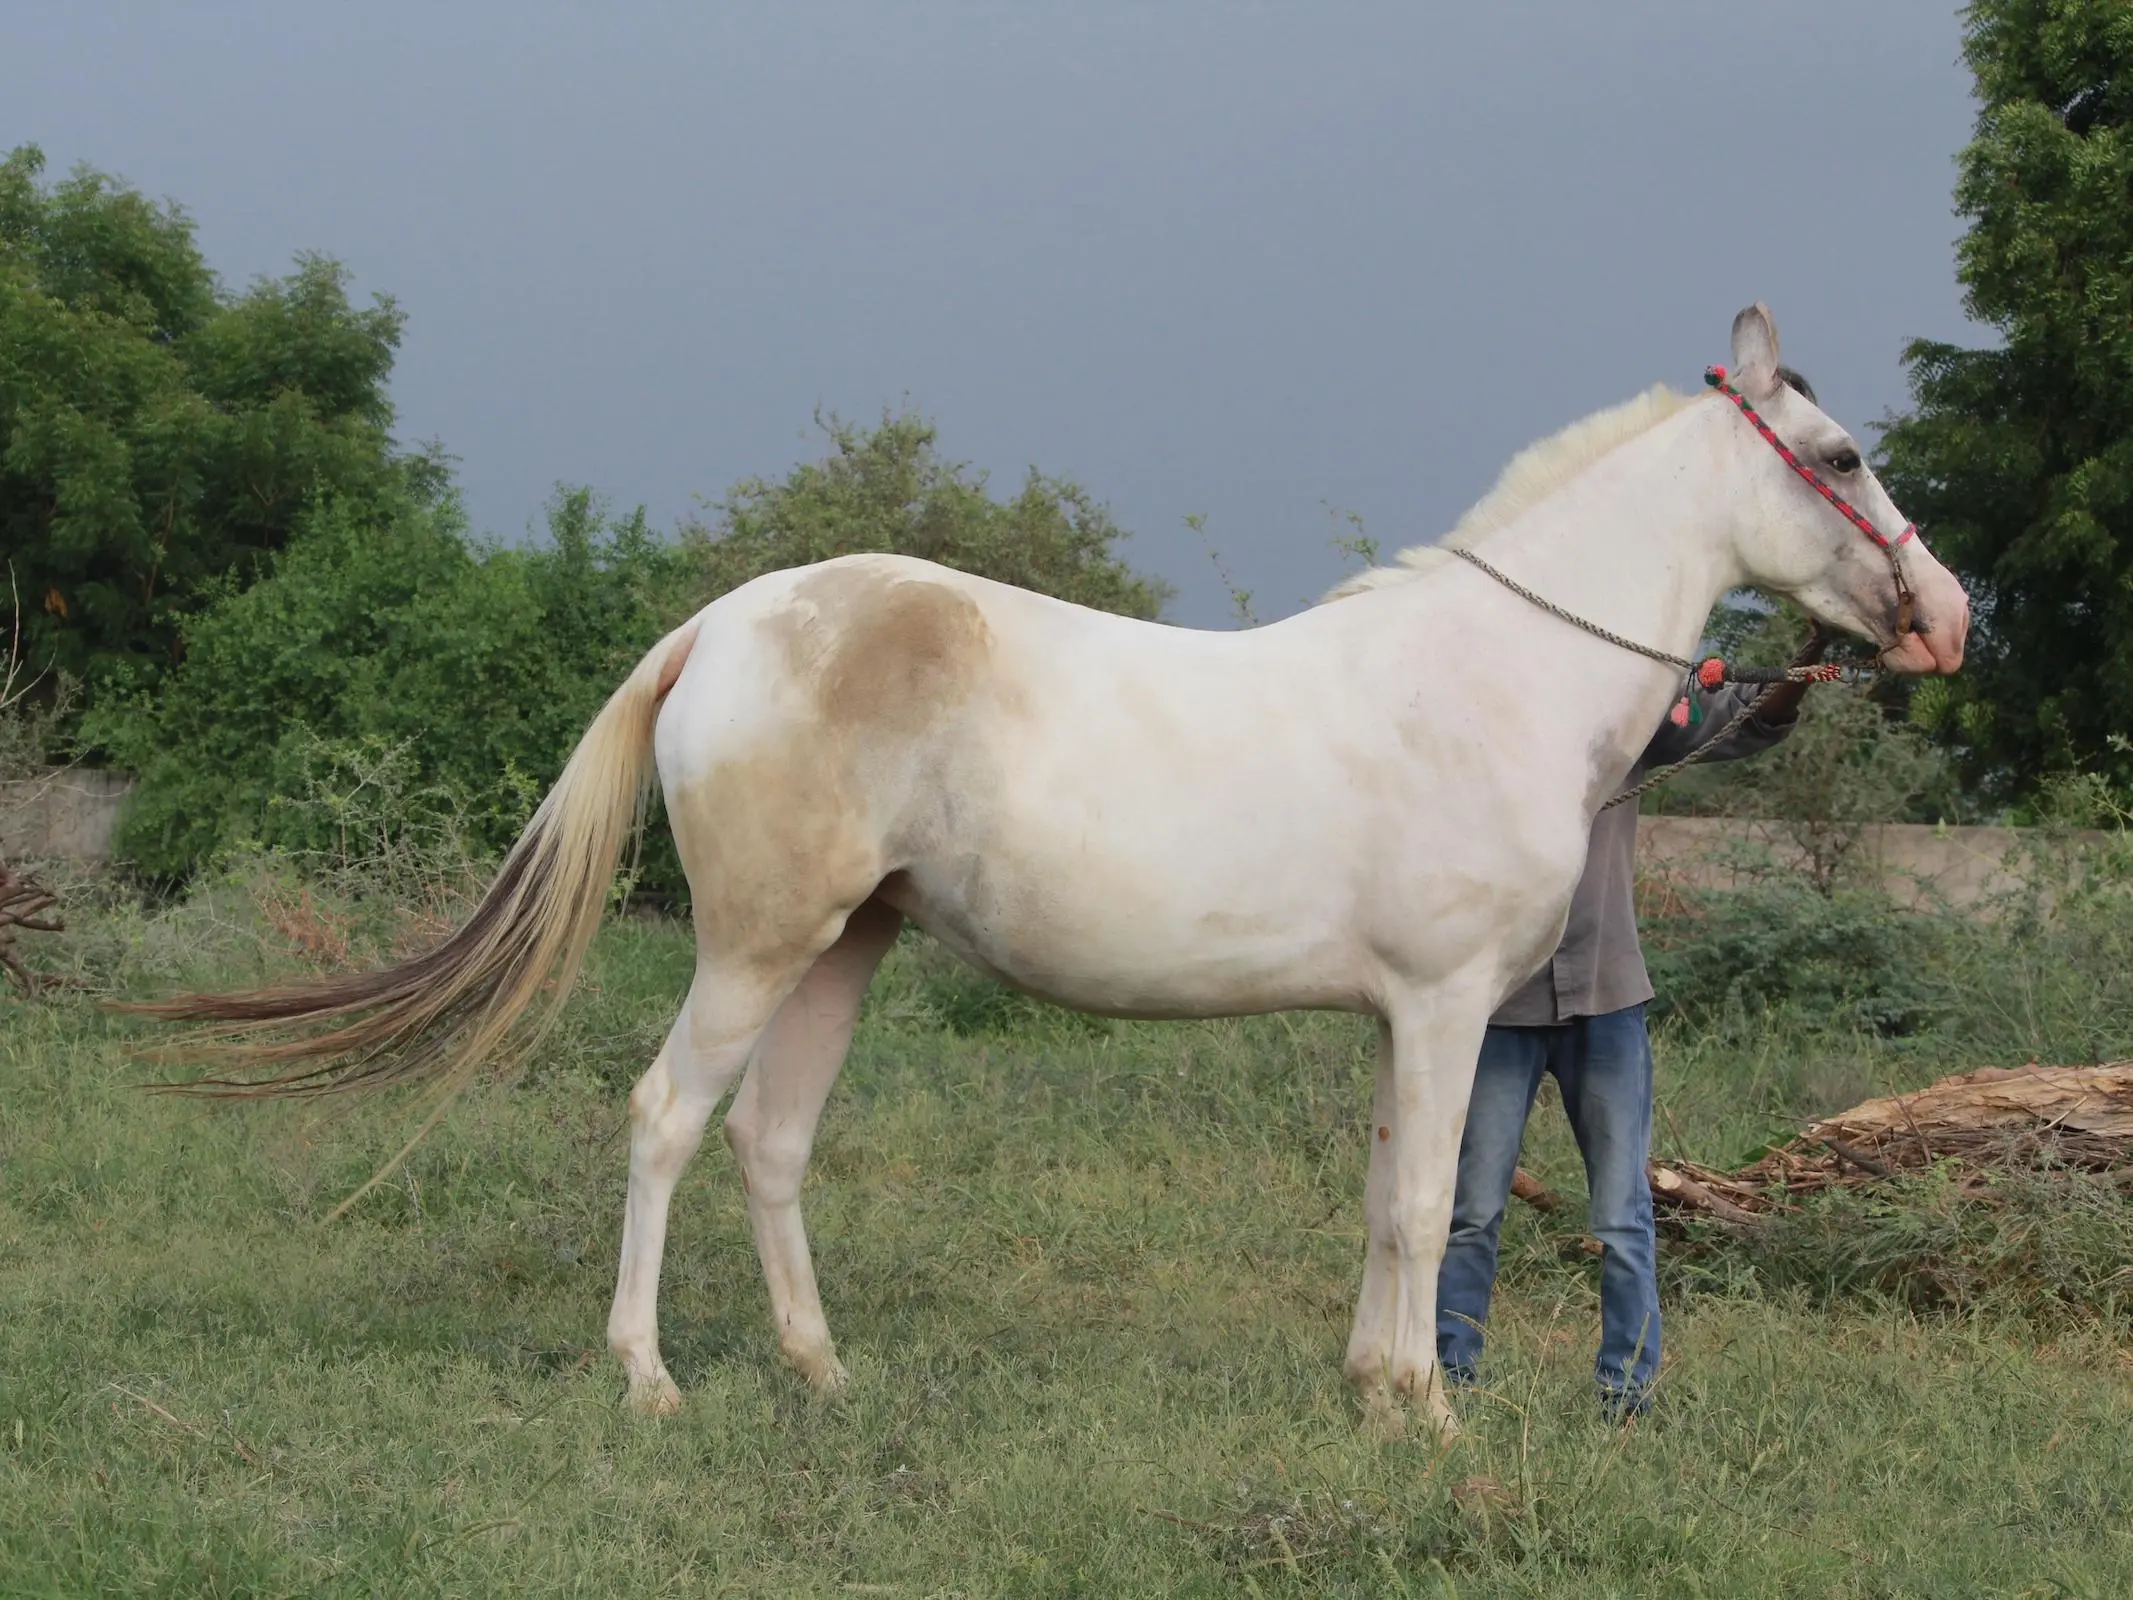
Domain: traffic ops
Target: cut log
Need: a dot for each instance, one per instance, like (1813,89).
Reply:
(1686,1192)
(1535,1193)
(1976,1121)
(2092,1100)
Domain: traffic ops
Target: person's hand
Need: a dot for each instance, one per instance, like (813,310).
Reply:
(1782,705)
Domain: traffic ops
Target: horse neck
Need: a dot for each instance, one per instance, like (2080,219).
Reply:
(1643,543)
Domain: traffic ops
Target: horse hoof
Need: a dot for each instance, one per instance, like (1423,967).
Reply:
(656,1398)
(816,1361)
(1384,1418)
(825,1375)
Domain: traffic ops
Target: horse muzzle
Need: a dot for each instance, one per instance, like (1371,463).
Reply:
(1931,644)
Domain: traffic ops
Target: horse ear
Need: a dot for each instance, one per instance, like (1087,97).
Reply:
(1755,352)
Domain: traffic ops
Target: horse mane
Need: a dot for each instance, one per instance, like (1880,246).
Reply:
(1527,479)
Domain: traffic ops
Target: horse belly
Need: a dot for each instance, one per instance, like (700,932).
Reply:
(1130,944)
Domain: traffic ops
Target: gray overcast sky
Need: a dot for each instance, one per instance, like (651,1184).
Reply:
(1234,259)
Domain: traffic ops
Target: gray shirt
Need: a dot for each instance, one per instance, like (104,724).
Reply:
(1599,966)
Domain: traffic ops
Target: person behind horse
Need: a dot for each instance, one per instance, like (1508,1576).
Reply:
(1581,1018)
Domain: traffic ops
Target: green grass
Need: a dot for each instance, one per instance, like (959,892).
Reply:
(1093,1283)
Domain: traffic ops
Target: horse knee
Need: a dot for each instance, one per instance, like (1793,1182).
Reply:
(666,1122)
(771,1157)
(1420,1232)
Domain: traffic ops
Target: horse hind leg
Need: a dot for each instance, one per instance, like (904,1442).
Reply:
(771,1128)
(704,1052)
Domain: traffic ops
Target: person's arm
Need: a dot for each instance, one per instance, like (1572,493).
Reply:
(1718,707)
(1782,709)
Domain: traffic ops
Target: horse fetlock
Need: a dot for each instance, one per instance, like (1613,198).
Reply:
(1420,1383)
(1383,1416)
(1368,1370)
(1442,1420)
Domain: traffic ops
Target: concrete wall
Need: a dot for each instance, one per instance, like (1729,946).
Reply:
(1918,864)
(68,814)
(72,813)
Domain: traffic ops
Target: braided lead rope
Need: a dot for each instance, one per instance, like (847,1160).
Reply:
(1574,620)
(1659,775)
(1710,673)
(1820,672)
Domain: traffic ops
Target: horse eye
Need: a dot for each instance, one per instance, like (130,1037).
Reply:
(1845,461)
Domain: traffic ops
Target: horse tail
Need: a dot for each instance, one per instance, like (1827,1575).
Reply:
(438,1014)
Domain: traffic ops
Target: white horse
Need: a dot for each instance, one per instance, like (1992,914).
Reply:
(1379,805)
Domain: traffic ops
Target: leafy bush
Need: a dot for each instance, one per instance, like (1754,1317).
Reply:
(28,720)
(1846,764)
(889,489)
(1849,960)
(386,631)
(2046,970)
(2043,969)
(2018,461)
(1855,757)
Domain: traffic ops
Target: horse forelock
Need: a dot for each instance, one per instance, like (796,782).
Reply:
(1527,479)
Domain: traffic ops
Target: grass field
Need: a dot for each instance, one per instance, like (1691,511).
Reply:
(1092,1281)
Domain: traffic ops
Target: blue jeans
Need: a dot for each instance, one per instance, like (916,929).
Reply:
(1603,1066)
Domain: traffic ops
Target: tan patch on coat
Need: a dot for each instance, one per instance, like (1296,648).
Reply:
(881,651)
(776,849)
(781,840)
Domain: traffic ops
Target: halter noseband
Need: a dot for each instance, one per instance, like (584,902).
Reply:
(1716,377)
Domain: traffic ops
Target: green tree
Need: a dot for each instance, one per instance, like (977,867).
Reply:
(160,437)
(2018,460)
(888,488)
(382,631)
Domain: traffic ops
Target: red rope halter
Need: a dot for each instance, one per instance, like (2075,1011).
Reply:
(1716,378)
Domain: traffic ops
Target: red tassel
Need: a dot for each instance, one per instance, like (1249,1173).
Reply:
(1679,716)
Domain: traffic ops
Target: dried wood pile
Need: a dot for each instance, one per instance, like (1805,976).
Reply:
(25,905)
(1975,1121)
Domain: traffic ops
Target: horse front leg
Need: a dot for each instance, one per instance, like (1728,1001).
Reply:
(1426,1052)
(1369,1363)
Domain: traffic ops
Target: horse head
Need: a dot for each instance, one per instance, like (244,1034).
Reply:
(1817,525)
